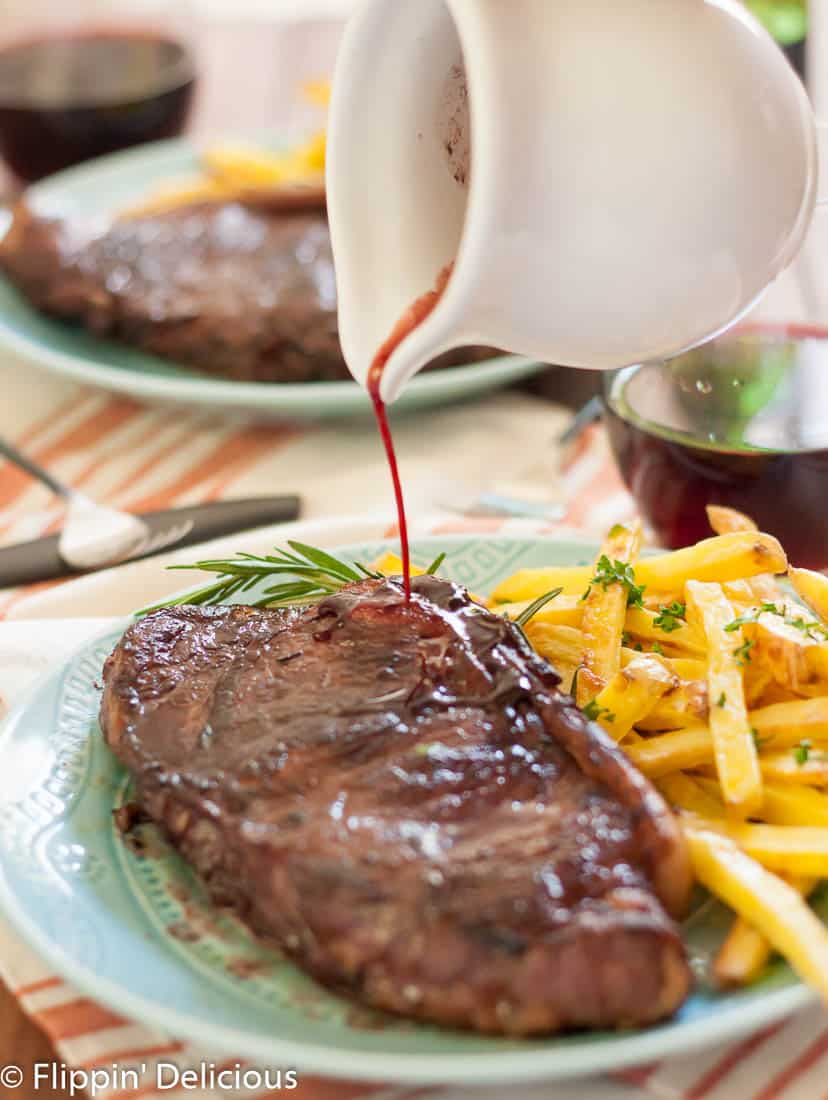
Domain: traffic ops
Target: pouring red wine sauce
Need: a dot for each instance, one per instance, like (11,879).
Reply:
(416,313)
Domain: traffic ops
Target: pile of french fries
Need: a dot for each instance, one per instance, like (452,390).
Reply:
(711,672)
(249,173)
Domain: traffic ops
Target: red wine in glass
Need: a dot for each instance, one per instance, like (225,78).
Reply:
(69,96)
(741,422)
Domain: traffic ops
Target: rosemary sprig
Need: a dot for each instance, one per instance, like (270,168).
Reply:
(537,605)
(302,574)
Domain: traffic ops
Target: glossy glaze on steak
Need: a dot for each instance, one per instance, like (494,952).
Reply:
(238,292)
(400,797)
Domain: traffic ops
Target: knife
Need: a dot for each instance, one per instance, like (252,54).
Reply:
(172,528)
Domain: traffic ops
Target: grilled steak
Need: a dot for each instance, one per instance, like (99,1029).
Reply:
(237,292)
(400,796)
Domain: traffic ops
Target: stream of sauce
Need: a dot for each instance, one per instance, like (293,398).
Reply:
(413,316)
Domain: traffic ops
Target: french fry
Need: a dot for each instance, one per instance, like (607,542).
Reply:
(722,558)
(787,767)
(785,725)
(390,565)
(605,611)
(562,611)
(784,804)
(670,752)
(766,901)
(724,520)
(795,660)
(685,668)
(560,645)
(785,849)
(685,705)
(685,639)
(745,953)
(631,694)
(527,584)
(812,589)
(736,757)
(686,793)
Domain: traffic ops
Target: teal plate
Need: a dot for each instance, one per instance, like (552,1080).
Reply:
(108,184)
(129,924)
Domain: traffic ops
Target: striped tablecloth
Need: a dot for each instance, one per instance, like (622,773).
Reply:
(138,457)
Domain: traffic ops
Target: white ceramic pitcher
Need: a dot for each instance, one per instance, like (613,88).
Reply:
(615,180)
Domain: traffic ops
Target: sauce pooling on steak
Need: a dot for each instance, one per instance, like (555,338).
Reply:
(399,795)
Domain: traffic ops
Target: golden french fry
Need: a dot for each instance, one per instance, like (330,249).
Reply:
(528,584)
(793,767)
(812,589)
(736,758)
(724,520)
(795,659)
(560,645)
(785,725)
(685,792)
(685,668)
(605,611)
(723,558)
(670,752)
(745,953)
(785,804)
(390,565)
(562,611)
(785,849)
(684,705)
(764,900)
(631,694)
(685,639)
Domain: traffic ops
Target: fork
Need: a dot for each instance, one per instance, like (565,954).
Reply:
(94,536)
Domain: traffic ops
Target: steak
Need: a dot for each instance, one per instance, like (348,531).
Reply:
(238,292)
(401,798)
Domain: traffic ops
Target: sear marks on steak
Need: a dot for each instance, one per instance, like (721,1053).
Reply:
(401,797)
(238,292)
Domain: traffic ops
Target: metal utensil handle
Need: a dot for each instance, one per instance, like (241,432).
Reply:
(36,471)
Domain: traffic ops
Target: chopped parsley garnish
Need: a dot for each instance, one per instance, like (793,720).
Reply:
(802,752)
(594,711)
(626,638)
(617,572)
(657,649)
(671,618)
(722,700)
(757,739)
(742,652)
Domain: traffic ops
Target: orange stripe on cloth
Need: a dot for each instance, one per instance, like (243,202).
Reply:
(729,1062)
(77,1018)
(228,460)
(154,459)
(37,987)
(18,595)
(799,1066)
(639,1076)
(54,416)
(89,433)
(152,1089)
(134,1054)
